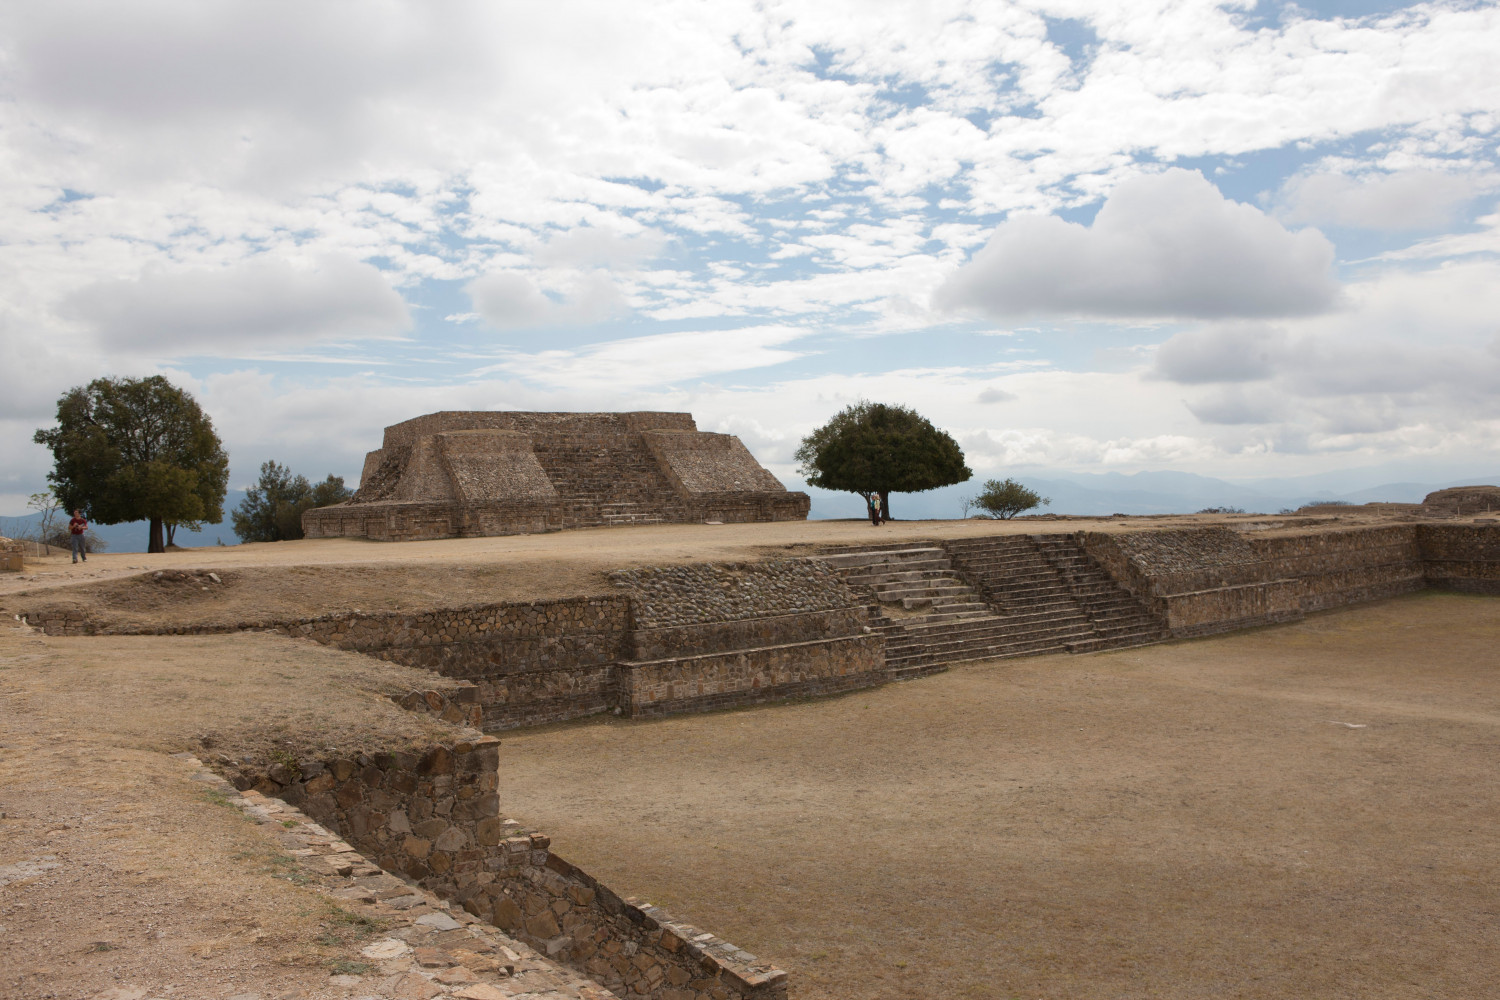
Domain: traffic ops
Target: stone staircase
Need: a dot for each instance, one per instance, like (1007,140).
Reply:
(989,598)
(616,485)
(1050,582)
(928,616)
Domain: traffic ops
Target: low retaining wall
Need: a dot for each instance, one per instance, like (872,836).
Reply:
(749,676)
(1205,580)
(435,818)
(1224,609)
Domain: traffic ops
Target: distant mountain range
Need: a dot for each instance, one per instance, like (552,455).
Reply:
(1138,493)
(133,536)
(1071,493)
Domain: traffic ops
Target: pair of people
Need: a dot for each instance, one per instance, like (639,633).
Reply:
(876,514)
(76,528)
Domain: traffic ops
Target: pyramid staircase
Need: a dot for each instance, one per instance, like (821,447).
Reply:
(989,598)
(609,486)
(1050,582)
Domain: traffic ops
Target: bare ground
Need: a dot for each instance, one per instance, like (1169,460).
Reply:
(115,866)
(1301,811)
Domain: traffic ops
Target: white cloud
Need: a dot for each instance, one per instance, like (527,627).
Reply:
(662,359)
(1230,353)
(1484,241)
(255,303)
(1404,200)
(1408,351)
(572,164)
(1162,245)
(512,300)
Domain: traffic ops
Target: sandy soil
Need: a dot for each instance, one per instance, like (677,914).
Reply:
(281,580)
(115,866)
(1301,811)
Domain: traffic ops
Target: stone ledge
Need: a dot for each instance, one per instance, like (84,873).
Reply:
(426,948)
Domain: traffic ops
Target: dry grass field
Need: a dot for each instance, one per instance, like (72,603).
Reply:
(1301,811)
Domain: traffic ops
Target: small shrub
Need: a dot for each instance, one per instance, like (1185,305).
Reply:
(1004,499)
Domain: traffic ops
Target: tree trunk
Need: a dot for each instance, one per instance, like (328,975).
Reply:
(155,545)
(885,505)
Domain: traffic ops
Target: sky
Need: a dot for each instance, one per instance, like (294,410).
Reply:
(1241,239)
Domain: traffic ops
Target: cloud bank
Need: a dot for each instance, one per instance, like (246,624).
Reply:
(1163,245)
(250,305)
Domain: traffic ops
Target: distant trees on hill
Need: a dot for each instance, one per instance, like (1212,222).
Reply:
(272,509)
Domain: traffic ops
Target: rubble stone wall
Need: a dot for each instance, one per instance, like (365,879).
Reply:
(704,463)
(434,818)
(714,637)
(1203,580)
(1345,567)
(1461,557)
(668,596)
(750,676)
(1224,609)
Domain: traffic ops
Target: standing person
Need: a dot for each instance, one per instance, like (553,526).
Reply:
(875,509)
(76,528)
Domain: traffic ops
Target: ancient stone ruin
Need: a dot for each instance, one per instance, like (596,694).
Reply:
(464,474)
(1460,501)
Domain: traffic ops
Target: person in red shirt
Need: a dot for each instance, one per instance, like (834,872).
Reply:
(76,528)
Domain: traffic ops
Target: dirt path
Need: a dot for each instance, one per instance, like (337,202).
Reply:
(1304,811)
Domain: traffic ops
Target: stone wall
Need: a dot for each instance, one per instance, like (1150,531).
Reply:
(1461,557)
(1336,568)
(674,639)
(715,635)
(435,819)
(1204,580)
(700,464)
(751,676)
(11,554)
(530,662)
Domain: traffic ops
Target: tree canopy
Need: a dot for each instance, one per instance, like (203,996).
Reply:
(1004,499)
(272,508)
(131,449)
(876,448)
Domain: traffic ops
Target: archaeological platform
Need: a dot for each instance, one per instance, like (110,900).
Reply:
(472,473)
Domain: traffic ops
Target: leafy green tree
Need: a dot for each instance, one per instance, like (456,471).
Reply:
(272,509)
(131,449)
(875,448)
(1004,499)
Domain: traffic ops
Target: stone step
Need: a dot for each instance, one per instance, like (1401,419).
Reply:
(987,637)
(873,571)
(850,560)
(890,595)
